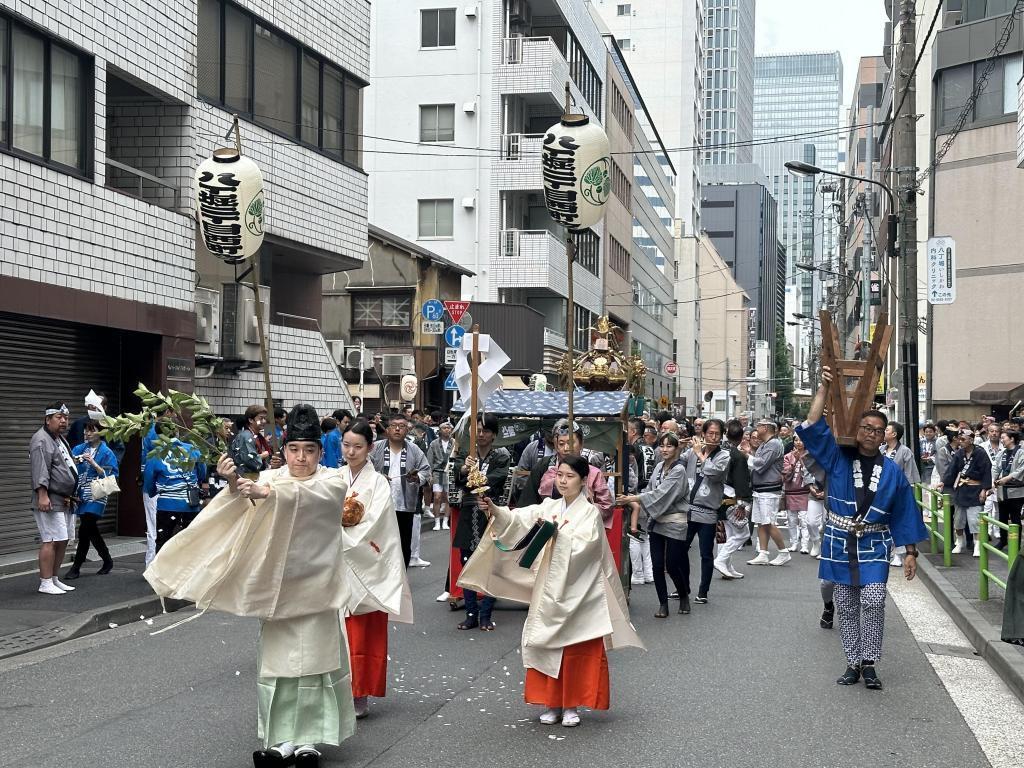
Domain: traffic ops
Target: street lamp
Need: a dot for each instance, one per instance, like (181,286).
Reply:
(806,169)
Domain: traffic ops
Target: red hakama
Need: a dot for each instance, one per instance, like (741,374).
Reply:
(368,653)
(581,682)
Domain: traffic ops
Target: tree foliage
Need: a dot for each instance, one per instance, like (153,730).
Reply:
(783,375)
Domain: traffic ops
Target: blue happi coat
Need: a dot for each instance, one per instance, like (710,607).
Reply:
(893,505)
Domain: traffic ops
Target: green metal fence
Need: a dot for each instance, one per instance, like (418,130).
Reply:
(940,520)
(1012,534)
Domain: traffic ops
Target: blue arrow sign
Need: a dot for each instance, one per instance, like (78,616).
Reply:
(432,310)
(453,335)
(449,383)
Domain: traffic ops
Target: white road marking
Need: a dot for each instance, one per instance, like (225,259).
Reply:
(992,712)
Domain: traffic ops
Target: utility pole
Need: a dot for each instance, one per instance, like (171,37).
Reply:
(904,160)
(844,289)
(865,258)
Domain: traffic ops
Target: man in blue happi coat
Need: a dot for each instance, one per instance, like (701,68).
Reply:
(871,510)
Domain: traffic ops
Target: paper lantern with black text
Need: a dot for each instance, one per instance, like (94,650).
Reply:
(229,205)
(576,165)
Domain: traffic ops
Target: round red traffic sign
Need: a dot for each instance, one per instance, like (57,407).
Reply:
(671,369)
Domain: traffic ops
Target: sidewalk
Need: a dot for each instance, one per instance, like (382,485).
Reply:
(956,589)
(30,620)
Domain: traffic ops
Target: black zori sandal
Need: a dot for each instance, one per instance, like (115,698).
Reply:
(469,624)
(871,677)
(662,612)
(307,758)
(850,677)
(271,758)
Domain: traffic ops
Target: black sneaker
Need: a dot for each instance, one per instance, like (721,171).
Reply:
(828,616)
(871,677)
(850,677)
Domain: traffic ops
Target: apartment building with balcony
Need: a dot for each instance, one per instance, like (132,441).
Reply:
(663,42)
(100,135)
(459,100)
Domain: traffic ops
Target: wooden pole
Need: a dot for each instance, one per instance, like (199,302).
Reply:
(261,331)
(474,398)
(570,331)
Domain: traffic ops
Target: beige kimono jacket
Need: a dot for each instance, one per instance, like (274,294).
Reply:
(280,560)
(573,589)
(373,550)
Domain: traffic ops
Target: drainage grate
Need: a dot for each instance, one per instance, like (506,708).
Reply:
(31,639)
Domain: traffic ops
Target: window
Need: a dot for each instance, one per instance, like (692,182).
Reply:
(436,218)
(381,311)
(437,122)
(990,101)
(1012,71)
(625,44)
(276,61)
(299,95)
(45,97)
(624,9)
(437,28)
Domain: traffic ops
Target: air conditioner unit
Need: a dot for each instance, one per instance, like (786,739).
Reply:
(239,331)
(352,358)
(952,19)
(397,365)
(337,347)
(207,321)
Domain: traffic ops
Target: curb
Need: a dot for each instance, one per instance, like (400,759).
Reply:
(91,622)
(1007,662)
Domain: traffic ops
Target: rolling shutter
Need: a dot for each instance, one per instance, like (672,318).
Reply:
(42,361)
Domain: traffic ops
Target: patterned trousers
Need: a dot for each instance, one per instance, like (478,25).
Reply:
(861,613)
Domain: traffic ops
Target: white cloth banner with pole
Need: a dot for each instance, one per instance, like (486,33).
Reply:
(492,360)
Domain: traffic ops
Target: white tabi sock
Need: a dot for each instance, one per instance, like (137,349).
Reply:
(285,749)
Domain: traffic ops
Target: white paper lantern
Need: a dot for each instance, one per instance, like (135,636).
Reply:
(229,205)
(576,167)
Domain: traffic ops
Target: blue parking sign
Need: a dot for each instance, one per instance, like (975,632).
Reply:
(449,383)
(453,335)
(432,310)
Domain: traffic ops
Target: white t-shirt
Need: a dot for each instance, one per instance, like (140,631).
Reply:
(396,479)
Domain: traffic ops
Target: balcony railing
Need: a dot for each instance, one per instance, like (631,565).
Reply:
(517,146)
(553,339)
(145,186)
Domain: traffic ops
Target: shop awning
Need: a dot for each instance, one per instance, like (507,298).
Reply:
(998,393)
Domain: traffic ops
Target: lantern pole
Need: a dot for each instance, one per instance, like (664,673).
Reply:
(474,397)
(254,273)
(570,310)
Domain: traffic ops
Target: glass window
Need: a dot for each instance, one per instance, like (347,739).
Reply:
(65,107)
(625,44)
(437,122)
(957,83)
(437,28)
(623,9)
(310,129)
(237,59)
(395,311)
(990,101)
(276,61)
(436,218)
(209,50)
(29,54)
(3,80)
(1012,71)
(333,127)
(353,123)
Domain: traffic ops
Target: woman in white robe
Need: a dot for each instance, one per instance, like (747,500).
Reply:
(577,607)
(375,567)
(272,549)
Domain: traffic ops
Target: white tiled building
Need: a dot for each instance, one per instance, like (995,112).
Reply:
(111,110)
(478,84)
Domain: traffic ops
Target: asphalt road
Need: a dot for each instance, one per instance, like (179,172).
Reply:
(747,680)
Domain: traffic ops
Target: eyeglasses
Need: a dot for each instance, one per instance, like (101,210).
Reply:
(872,430)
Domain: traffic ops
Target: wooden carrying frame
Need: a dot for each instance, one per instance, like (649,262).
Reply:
(845,407)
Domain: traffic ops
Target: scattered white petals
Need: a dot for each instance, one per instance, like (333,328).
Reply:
(237,673)
(551,736)
(150,621)
(112,625)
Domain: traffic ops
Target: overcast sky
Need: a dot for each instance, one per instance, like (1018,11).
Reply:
(855,29)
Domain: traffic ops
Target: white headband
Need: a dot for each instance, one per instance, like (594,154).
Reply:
(54,411)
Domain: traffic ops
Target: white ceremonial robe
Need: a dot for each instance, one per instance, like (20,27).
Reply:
(373,550)
(573,588)
(280,560)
